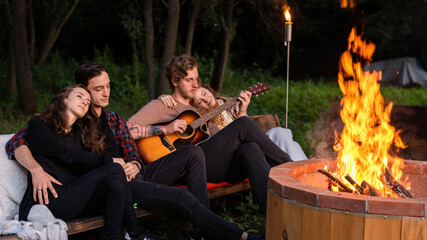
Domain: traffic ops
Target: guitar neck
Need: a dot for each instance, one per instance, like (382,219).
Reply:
(255,89)
(208,116)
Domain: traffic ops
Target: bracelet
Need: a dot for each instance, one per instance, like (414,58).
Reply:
(137,165)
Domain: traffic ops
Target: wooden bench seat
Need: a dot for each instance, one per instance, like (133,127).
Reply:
(266,122)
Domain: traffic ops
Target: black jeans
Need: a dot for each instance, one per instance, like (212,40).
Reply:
(242,150)
(179,200)
(150,190)
(188,164)
(100,191)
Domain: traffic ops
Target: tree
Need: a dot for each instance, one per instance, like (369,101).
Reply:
(62,13)
(169,44)
(192,25)
(24,77)
(226,16)
(149,48)
(11,72)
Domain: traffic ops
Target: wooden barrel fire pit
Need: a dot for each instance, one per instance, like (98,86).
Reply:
(300,206)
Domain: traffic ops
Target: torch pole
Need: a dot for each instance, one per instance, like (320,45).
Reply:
(287,83)
(287,43)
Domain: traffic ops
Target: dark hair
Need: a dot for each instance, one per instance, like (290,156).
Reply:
(178,66)
(87,71)
(88,131)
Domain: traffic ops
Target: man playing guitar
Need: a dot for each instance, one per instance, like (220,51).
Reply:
(239,151)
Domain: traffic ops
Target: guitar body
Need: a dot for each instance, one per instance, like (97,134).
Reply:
(155,147)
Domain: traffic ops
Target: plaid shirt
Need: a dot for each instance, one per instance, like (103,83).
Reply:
(17,140)
(127,145)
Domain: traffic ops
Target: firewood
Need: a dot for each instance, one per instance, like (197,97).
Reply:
(369,190)
(392,183)
(336,180)
(332,183)
(354,183)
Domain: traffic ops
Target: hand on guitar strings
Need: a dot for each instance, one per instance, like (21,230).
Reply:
(177,125)
(244,100)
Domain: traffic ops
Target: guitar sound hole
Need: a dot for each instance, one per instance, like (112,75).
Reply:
(188,132)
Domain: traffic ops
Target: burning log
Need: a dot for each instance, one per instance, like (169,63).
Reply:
(365,188)
(336,181)
(354,183)
(392,183)
(332,183)
(369,190)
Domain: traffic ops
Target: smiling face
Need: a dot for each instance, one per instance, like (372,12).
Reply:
(204,98)
(77,103)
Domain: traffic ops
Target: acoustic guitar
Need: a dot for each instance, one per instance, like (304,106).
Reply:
(155,147)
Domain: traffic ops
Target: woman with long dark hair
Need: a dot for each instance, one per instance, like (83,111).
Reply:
(66,141)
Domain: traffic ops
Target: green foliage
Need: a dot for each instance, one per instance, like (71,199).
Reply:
(127,93)
(242,210)
(407,97)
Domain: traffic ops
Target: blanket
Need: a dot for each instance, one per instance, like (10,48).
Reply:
(282,137)
(41,223)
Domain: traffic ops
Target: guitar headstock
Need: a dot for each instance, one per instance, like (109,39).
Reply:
(258,88)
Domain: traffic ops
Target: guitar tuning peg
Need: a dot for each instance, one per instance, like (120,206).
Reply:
(266,91)
(262,94)
(256,95)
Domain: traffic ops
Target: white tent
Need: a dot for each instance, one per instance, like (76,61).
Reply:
(401,71)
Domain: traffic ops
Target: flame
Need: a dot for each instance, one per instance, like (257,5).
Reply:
(287,16)
(347,3)
(367,135)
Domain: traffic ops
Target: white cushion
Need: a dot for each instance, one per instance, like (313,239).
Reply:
(13,182)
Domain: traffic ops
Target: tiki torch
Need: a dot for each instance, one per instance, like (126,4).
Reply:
(287,42)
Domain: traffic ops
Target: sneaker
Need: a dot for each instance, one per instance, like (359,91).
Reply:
(147,236)
(196,234)
(196,238)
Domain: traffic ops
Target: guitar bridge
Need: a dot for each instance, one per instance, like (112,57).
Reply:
(166,142)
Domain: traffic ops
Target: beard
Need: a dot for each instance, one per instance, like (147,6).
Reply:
(188,95)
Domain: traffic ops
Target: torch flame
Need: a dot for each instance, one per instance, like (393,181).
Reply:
(367,134)
(287,16)
(347,3)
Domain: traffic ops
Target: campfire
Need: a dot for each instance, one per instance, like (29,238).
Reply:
(363,160)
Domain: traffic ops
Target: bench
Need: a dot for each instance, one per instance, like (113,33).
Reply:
(216,190)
